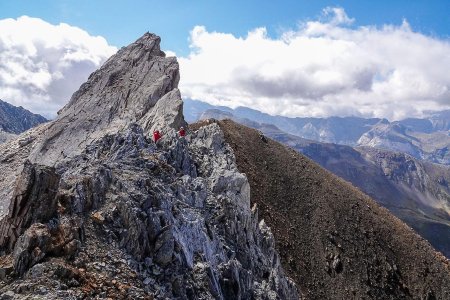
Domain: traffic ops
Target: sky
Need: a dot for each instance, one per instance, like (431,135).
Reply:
(294,58)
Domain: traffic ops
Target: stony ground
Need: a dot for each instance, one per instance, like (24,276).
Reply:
(128,219)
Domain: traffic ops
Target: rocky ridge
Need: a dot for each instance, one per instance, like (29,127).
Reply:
(92,208)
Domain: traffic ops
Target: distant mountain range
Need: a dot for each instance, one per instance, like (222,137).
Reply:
(427,138)
(433,146)
(416,191)
(15,120)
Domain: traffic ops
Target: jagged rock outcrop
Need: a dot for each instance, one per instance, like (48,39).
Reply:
(138,84)
(97,209)
(33,202)
(181,211)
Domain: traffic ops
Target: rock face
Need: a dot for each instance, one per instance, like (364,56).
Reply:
(17,119)
(94,208)
(136,85)
(33,202)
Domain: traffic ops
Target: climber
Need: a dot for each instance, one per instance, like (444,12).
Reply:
(181,132)
(156,135)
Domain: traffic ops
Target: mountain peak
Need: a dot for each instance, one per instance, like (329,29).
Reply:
(136,85)
(149,42)
(149,39)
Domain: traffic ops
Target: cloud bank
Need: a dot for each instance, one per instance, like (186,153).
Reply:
(41,64)
(323,68)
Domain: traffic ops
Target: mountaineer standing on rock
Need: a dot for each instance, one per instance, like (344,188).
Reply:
(181,132)
(156,135)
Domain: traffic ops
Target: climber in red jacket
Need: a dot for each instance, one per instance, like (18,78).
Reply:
(181,132)
(156,135)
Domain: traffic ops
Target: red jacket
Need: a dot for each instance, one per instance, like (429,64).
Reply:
(181,132)
(156,136)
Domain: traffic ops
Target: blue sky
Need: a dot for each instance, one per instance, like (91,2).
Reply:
(120,22)
(380,58)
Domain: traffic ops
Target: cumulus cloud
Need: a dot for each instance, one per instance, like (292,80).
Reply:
(324,67)
(42,64)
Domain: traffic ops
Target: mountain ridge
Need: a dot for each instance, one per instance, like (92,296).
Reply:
(16,120)
(91,207)
(331,234)
(416,191)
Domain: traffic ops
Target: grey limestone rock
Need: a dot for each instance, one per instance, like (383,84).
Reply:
(136,85)
(172,219)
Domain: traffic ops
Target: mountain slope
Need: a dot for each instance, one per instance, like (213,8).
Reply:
(17,119)
(334,241)
(416,191)
(90,207)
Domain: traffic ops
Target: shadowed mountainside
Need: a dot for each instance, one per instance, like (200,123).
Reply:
(17,119)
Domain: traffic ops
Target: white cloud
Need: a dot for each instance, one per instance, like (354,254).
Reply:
(42,64)
(323,68)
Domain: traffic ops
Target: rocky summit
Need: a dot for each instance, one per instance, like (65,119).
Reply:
(91,207)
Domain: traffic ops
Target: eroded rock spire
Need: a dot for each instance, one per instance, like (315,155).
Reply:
(126,89)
